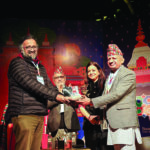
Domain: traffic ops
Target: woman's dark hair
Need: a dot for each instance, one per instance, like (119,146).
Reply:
(101,78)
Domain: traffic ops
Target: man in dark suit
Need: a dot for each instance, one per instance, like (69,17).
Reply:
(62,118)
(120,97)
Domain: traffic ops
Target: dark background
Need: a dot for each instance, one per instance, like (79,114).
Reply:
(119,18)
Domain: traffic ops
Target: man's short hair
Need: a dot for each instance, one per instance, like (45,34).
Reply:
(26,38)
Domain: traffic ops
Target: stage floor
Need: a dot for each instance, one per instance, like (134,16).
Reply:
(69,149)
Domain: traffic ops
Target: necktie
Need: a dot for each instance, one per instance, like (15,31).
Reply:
(109,83)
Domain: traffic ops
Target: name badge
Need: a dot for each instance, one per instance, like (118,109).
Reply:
(40,79)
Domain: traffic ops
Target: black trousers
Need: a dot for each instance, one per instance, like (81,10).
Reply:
(96,140)
(62,122)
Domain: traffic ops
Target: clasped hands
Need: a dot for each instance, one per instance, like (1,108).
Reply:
(83,100)
(94,119)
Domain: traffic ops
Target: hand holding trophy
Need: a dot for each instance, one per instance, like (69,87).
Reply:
(82,99)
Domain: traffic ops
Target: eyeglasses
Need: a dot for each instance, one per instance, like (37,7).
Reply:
(61,77)
(31,47)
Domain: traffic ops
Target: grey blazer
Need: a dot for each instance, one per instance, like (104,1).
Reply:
(70,118)
(121,100)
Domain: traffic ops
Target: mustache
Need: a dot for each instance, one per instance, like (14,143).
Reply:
(30,52)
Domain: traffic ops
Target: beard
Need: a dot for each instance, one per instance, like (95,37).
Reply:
(60,85)
(30,54)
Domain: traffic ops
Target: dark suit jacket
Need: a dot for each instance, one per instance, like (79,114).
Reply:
(70,118)
(121,100)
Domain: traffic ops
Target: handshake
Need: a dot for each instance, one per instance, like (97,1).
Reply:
(70,100)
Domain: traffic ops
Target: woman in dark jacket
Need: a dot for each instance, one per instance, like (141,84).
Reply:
(95,135)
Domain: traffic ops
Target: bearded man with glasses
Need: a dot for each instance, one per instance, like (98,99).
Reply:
(29,90)
(62,118)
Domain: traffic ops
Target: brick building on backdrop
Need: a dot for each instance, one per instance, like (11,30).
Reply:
(48,58)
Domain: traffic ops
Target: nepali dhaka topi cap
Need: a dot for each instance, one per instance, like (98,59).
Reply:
(113,49)
(59,70)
